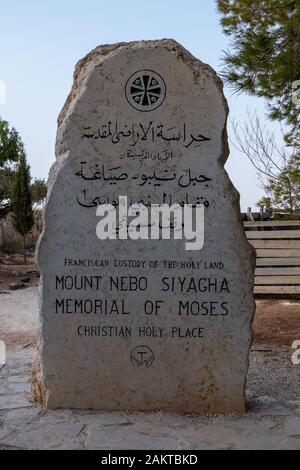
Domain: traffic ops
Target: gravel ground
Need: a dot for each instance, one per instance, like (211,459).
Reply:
(271,372)
(272,420)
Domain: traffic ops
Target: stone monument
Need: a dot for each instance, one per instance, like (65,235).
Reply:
(143,323)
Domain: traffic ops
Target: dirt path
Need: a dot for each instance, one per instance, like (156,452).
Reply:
(277,322)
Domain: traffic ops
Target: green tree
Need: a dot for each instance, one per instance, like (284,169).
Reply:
(265,202)
(284,191)
(7,176)
(6,181)
(278,169)
(38,191)
(264,58)
(22,200)
(11,145)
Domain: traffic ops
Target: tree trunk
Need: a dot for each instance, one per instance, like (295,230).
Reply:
(24,250)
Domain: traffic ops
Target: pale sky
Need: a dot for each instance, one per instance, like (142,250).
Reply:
(40,42)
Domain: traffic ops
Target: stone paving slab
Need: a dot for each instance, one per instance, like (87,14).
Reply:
(269,423)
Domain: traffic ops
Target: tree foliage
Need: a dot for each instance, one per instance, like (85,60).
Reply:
(22,200)
(38,191)
(11,145)
(278,169)
(11,153)
(264,58)
(284,191)
(6,181)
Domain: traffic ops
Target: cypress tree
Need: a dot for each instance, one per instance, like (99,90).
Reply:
(22,200)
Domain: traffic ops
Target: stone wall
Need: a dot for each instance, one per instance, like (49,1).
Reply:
(11,240)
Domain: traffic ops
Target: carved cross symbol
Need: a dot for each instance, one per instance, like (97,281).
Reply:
(145,90)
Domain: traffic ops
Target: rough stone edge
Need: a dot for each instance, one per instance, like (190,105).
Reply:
(104,52)
(39,390)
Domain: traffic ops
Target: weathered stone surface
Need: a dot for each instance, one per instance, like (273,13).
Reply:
(99,438)
(170,149)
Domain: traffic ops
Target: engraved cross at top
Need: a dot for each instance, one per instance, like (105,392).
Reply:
(145,90)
